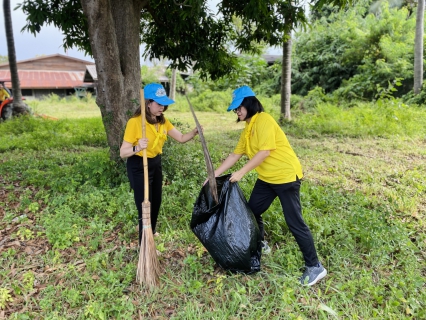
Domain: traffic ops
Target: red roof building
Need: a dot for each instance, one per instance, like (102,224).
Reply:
(58,74)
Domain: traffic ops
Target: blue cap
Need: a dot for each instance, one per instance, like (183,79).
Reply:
(238,96)
(156,92)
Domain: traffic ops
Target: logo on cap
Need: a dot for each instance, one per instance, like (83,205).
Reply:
(160,92)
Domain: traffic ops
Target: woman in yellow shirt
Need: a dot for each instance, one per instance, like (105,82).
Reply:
(157,130)
(279,175)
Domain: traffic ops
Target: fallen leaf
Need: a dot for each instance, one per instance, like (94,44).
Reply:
(15,243)
(29,250)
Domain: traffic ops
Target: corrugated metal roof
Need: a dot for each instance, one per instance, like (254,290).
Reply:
(40,79)
(90,75)
(49,57)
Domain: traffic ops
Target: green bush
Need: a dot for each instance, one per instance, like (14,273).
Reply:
(251,70)
(385,118)
(31,133)
(314,98)
(217,101)
(416,99)
(353,51)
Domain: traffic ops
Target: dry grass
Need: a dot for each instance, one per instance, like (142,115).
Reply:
(375,167)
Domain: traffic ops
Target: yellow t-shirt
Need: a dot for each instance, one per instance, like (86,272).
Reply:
(264,133)
(156,134)
(3,94)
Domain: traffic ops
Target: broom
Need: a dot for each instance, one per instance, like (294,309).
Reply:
(148,269)
(210,170)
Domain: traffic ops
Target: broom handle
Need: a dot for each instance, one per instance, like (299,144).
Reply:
(145,159)
(207,158)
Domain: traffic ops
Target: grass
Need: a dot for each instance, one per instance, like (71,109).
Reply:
(68,243)
(65,108)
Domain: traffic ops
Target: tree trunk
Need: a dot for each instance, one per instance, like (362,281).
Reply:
(418,49)
(114,38)
(286,80)
(173,85)
(19,107)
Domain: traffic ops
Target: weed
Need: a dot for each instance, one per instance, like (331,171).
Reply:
(62,227)
(28,280)
(9,253)
(33,207)
(5,297)
(25,234)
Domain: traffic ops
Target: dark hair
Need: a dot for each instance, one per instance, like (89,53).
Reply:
(159,119)
(252,105)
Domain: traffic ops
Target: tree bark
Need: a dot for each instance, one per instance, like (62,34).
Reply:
(418,50)
(19,107)
(114,39)
(173,85)
(286,80)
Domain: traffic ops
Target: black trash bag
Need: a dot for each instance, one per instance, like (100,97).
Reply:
(228,230)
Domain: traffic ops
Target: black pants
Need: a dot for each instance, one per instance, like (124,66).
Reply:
(289,194)
(155,178)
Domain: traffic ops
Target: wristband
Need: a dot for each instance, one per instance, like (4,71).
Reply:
(134,148)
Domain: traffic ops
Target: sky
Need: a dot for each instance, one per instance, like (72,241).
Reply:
(49,40)
(27,46)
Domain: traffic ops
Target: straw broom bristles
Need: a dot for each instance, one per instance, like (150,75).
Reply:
(148,268)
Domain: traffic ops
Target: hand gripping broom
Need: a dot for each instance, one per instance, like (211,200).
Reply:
(207,158)
(148,269)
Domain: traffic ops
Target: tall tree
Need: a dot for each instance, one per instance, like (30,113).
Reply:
(18,106)
(111,31)
(113,28)
(185,32)
(418,50)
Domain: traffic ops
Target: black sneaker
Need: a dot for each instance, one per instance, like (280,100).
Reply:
(312,275)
